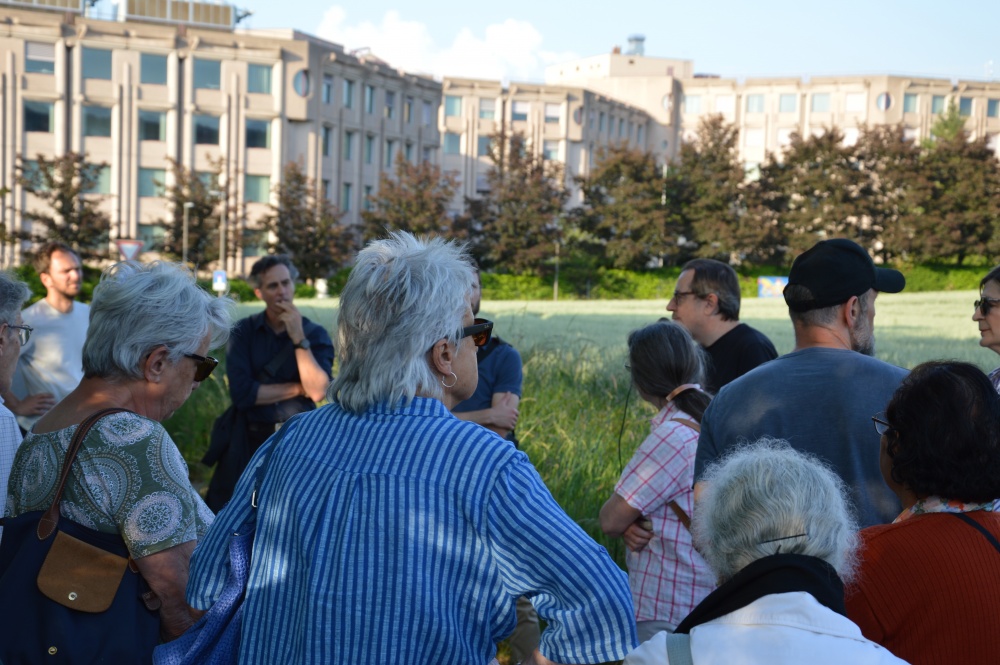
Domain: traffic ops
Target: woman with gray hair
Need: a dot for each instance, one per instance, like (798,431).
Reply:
(774,525)
(151,327)
(390,531)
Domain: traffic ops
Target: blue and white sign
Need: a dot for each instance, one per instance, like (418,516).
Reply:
(220,284)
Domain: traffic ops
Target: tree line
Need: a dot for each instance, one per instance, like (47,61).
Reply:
(932,201)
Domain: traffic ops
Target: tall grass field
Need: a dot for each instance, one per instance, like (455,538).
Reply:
(575,425)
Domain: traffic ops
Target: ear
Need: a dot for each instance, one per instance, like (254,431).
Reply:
(851,311)
(46,279)
(256,292)
(442,356)
(712,300)
(155,364)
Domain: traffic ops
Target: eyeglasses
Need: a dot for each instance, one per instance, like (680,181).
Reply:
(23,332)
(985,304)
(882,426)
(480,331)
(679,295)
(206,364)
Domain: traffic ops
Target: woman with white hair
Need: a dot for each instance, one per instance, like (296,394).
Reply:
(151,327)
(390,531)
(774,525)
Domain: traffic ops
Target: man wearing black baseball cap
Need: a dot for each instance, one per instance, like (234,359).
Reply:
(821,396)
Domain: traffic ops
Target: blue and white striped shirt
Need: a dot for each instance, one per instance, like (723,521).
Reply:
(404,535)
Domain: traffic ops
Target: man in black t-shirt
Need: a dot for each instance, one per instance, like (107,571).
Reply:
(706,301)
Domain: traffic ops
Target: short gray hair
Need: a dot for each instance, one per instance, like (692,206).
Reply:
(13,293)
(767,498)
(403,295)
(138,307)
(823,315)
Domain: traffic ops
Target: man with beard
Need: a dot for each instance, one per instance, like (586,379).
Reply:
(51,363)
(821,396)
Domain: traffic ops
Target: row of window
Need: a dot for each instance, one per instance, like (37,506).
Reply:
(484,145)
(370,141)
(39,58)
(519,110)
(854,102)
(389,107)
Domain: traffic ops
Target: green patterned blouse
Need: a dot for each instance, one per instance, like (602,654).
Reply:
(128,478)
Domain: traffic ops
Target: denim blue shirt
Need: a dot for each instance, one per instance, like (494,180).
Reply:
(404,535)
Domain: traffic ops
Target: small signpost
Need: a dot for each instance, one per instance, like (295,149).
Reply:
(220,283)
(129,249)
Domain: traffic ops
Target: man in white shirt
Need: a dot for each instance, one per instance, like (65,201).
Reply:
(51,363)
(12,333)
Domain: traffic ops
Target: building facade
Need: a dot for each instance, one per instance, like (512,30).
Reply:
(142,89)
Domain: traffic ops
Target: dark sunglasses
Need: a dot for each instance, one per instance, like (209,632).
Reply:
(985,304)
(480,331)
(206,364)
(882,426)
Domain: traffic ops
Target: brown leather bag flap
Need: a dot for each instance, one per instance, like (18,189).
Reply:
(79,575)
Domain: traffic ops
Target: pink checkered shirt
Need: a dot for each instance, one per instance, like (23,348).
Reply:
(668,577)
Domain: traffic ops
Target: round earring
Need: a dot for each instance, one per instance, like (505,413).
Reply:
(452,384)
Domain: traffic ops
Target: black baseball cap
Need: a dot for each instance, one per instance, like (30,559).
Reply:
(834,270)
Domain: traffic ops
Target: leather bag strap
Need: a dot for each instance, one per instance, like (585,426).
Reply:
(50,520)
(674,506)
(980,528)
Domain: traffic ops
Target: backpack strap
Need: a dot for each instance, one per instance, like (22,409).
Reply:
(679,649)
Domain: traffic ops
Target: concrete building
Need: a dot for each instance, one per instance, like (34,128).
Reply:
(143,87)
(565,124)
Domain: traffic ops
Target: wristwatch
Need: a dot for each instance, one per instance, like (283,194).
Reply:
(304,344)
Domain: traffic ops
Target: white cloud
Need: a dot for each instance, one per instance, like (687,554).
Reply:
(511,50)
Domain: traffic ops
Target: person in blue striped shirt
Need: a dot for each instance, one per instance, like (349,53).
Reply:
(389,531)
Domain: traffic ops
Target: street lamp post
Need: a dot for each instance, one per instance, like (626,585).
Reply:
(184,240)
(222,225)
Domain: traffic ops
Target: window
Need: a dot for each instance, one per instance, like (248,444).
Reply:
(851,136)
(326,189)
(428,153)
(426,113)
(550,149)
(256,188)
(153,69)
(348,94)
(408,110)
(993,108)
(854,102)
(300,83)
(348,146)
(96,120)
(390,150)
(39,58)
(639,134)
(96,63)
(327,90)
(519,111)
(206,129)
(208,179)
(785,136)
(452,143)
(408,152)
(325,140)
(483,146)
(487,109)
(755,103)
(725,104)
(788,103)
(102,179)
(452,106)
(151,182)
(33,173)
(207,74)
(910,103)
(152,126)
(821,102)
(390,104)
(152,236)
(753,138)
(600,124)
(621,127)
(259,79)
(552,112)
(369,99)
(38,117)
(965,106)
(345,197)
(692,103)
(883,102)
(369,149)
(937,104)
(367,202)
(258,133)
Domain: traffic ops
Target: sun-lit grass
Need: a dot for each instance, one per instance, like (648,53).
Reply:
(575,384)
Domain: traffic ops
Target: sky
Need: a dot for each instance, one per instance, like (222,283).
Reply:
(514,40)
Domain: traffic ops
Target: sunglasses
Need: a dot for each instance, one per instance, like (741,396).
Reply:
(206,364)
(985,304)
(882,426)
(23,333)
(480,331)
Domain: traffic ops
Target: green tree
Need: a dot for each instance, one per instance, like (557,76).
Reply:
(308,227)
(199,195)
(65,184)
(624,216)
(519,221)
(416,200)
